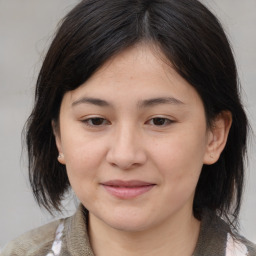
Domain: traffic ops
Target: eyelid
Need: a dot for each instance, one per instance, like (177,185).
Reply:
(87,119)
(168,119)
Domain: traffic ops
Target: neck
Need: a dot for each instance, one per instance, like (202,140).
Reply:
(178,235)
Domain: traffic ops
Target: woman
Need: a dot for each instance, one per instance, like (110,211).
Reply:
(137,109)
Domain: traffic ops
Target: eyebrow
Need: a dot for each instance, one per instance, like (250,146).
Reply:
(94,101)
(141,104)
(159,101)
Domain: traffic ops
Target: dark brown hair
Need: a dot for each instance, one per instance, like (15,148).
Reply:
(192,40)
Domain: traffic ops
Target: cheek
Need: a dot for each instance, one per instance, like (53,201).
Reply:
(82,164)
(179,165)
(180,150)
(83,157)
(180,159)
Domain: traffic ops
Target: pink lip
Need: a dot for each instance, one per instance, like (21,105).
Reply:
(127,189)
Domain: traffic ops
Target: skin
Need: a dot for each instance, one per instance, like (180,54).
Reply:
(126,134)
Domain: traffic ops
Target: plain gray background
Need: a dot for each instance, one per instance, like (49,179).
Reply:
(26,29)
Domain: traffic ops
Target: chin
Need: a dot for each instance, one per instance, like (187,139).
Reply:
(128,226)
(128,221)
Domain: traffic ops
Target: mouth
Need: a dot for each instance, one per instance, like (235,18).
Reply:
(127,189)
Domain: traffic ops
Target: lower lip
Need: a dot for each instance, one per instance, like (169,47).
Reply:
(127,192)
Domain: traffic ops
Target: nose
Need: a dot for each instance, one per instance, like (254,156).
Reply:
(126,150)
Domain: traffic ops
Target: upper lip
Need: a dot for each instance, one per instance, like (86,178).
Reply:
(129,183)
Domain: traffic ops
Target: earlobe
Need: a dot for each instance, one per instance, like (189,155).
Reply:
(61,157)
(217,137)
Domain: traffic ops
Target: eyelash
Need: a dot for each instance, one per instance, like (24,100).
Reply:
(163,120)
(152,121)
(89,121)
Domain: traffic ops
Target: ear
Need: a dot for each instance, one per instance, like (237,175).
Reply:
(217,137)
(56,132)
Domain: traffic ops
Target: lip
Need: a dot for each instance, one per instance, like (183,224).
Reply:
(127,189)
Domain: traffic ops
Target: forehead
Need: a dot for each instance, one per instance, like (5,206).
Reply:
(135,61)
(137,73)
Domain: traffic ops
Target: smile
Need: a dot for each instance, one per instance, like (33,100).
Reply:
(127,189)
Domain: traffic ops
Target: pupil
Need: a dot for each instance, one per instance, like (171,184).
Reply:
(97,121)
(159,121)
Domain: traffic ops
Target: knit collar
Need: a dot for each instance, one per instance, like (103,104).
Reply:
(76,233)
(212,238)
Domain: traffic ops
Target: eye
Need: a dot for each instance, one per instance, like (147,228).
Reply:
(95,121)
(160,121)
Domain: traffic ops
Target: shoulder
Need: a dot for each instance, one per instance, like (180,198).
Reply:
(34,242)
(240,246)
(62,237)
(236,244)
(217,238)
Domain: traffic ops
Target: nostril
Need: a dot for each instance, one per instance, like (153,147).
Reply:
(126,151)
(126,162)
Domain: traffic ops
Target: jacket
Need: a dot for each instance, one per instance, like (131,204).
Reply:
(69,237)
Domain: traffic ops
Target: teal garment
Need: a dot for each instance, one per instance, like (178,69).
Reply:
(69,237)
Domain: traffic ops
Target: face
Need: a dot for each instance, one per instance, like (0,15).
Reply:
(134,138)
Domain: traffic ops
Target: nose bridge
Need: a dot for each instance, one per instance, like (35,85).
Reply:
(126,148)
